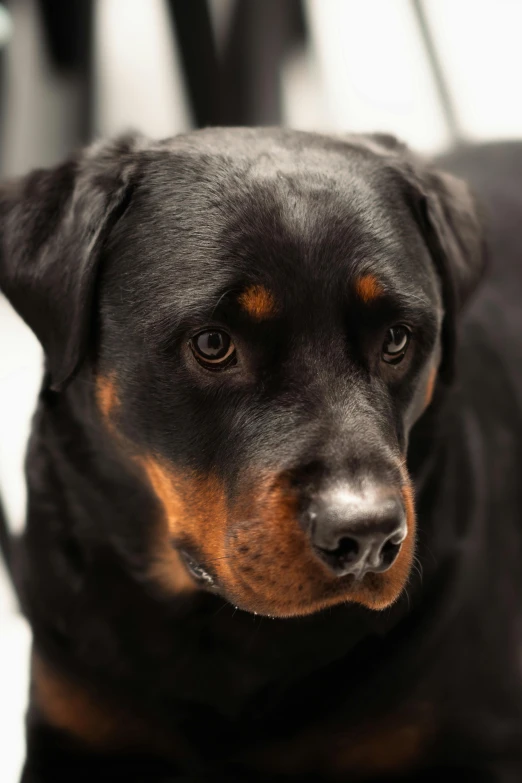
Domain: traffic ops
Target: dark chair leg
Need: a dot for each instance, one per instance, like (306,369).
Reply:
(193,29)
(243,86)
(68,30)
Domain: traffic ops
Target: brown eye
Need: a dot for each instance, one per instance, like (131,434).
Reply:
(396,344)
(214,350)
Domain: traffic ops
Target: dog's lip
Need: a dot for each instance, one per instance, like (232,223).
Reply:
(196,570)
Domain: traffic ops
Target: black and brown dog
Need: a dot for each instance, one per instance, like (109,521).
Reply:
(274,523)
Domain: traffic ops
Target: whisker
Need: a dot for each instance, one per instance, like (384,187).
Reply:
(225,294)
(417,566)
(224,605)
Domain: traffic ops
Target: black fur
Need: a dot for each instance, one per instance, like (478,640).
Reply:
(114,260)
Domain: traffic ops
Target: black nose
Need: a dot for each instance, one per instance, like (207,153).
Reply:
(356,534)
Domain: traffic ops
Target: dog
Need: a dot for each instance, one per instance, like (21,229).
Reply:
(274,525)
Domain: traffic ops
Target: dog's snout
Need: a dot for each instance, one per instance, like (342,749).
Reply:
(356,534)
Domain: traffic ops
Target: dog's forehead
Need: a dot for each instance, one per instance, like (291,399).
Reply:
(208,218)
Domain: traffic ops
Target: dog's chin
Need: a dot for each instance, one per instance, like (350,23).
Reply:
(374,592)
(287,606)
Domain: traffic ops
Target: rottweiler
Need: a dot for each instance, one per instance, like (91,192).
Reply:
(274,523)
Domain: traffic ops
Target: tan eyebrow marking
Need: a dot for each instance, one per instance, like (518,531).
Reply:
(258,301)
(368,288)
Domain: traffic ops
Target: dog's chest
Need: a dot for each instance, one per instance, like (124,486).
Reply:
(333,748)
(389,744)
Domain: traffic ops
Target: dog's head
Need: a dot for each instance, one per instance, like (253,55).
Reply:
(264,316)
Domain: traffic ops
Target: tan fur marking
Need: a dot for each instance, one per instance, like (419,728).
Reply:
(194,510)
(258,302)
(167,566)
(106,395)
(389,745)
(430,387)
(393,748)
(368,288)
(74,708)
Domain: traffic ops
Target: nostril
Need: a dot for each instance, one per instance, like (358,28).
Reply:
(389,552)
(344,554)
(362,554)
(347,550)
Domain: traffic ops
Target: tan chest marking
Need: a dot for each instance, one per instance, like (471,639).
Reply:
(98,723)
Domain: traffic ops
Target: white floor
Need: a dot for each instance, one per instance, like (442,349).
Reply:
(20,362)
(14,662)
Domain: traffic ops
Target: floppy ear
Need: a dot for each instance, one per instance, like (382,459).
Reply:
(455,236)
(451,223)
(53,224)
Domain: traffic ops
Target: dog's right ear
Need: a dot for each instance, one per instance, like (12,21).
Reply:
(53,224)
(451,223)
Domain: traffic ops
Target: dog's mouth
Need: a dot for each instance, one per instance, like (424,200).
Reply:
(272,569)
(197,572)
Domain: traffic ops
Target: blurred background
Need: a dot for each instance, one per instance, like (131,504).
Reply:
(434,72)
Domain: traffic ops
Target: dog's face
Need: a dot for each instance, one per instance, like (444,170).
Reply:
(273,309)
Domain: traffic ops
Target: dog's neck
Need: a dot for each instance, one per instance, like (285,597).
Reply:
(94,611)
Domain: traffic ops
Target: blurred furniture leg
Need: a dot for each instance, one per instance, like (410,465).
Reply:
(437,70)
(240,85)
(193,29)
(261,35)
(68,30)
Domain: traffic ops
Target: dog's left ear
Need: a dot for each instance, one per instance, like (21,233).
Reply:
(451,222)
(53,224)
(453,228)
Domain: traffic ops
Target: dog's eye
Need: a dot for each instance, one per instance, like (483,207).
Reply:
(396,344)
(214,350)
